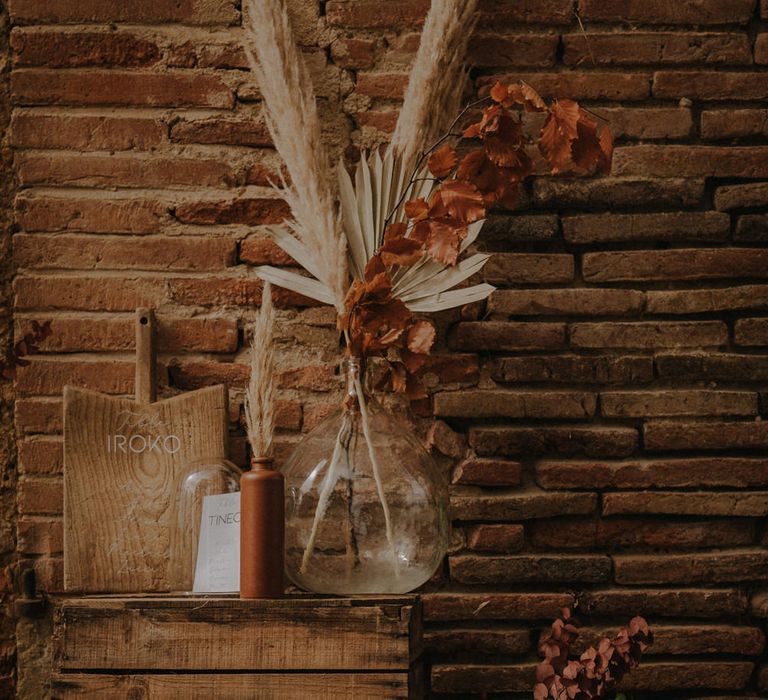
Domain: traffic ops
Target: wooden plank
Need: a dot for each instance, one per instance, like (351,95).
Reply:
(123,465)
(215,634)
(247,686)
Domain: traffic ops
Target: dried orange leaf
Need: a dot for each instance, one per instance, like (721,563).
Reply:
(401,251)
(499,93)
(442,161)
(558,133)
(421,337)
(416,209)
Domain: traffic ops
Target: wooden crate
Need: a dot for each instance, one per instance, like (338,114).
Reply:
(225,648)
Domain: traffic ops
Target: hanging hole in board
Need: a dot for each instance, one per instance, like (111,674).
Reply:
(143,320)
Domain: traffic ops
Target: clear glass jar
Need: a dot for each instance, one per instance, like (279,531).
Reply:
(366,507)
(206,477)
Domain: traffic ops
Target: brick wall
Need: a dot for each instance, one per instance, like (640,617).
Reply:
(601,417)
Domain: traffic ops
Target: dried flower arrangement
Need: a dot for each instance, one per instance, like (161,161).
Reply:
(597,671)
(410,215)
(399,242)
(260,394)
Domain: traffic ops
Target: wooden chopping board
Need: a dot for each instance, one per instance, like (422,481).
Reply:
(124,464)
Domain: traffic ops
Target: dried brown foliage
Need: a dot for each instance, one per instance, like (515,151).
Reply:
(597,670)
(28,345)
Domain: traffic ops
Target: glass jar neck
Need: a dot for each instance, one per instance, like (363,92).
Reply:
(356,377)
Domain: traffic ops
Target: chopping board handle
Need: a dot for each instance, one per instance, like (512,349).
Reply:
(146,391)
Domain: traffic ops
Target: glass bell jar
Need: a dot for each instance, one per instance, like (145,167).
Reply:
(366,507)
(207,477)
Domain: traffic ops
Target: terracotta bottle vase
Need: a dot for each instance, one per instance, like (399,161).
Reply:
(262,531)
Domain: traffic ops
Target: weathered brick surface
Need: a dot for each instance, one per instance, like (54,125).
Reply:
(601,416)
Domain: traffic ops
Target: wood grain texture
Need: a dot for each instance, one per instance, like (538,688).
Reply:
(121,498)
(146,372)
(228,634)
(250,686)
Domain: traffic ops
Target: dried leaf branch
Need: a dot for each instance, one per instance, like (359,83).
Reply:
(437,81)
(260,395)
(28,345)
(291,115)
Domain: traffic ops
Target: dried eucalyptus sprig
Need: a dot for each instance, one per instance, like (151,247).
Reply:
(260,395)
(315,239)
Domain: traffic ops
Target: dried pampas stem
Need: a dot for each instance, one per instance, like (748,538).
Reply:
(260,396)
(437,78)
(291,114)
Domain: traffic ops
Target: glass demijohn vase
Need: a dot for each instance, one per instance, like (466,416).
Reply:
(366,508)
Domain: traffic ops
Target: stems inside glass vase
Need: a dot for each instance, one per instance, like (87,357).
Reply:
(331,475)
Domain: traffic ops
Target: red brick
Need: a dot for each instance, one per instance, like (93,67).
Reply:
(68,49)
(580,86)
(519,505)
(90,170)
(710,85)
(443,607)
(745,435)
(193,374)
(229,291)
(563,440)
(487,472)
(119,334)
(648,336)
(690,602)
(34,86)
(617,534)
(250,212)
(505,269)
(657,48)
(31,129)
(694,301)
(703,472)
(483,642)
(567,369)
(93,215)
(88,293)
(308,378)
(610,193)
(41,496)
(566,302)
(670,226)
(752,331)
(741,196)
(109,253)
(515,404)
(518,50)
(751,228)
(691,503)
(41,456)
(350,52)
(441,437)
(231,131)
(259,250)
(758,604)
(641,404)
(764,9)
(733,123)
(663,12)
(40,536)
(648,123)
(495,538)
(48,377)
(495,12)
(713,367)
(452,368)
(761,49)
(388,86)
(691,161)
(690,639)
(563,568)
(132,11)
(39,416)
(689,264)
(499,336)
(500,231)
(726,566)
(383,120)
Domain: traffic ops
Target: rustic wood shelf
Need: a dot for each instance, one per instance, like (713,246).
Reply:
(160,647)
